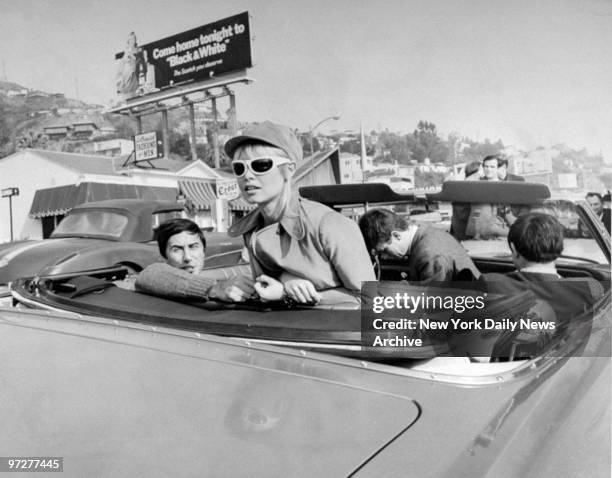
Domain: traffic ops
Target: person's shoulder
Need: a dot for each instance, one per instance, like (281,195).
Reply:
(318,212)
(593,286)
(501,283)
(434,233)
(244,224)
(313,206)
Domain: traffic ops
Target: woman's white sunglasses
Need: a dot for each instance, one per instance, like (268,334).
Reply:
(259,165)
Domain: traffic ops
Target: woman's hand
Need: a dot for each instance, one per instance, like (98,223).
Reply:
(234,289)
(302,291)
(269,288)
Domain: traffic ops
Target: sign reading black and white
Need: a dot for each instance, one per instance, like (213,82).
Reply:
(208,51)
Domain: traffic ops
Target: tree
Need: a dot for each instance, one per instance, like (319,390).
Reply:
(393,147)
(606,179)
(33,140)
(475,151)
(425,142)
(5,132)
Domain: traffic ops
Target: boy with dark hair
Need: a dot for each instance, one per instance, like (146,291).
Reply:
(536,238)
(431,254)
(183,245)
(536,241)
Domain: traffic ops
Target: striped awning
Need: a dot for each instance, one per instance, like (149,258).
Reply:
(240,204)
(202,194)
(61,199)
(199,192)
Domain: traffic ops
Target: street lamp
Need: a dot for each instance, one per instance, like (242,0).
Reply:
(312,130)
(9,193)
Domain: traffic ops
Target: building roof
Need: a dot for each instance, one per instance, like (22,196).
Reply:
(79,163)
(82,163)
(172,165)
(307,165)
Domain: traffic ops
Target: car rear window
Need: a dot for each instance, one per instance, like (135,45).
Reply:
(160,217)
(92,223)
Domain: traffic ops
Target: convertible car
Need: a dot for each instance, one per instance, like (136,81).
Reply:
(122,384)
(102,234)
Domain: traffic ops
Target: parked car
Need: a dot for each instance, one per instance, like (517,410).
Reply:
(102,234)
(124,384)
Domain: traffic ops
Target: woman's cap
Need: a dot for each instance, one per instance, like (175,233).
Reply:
(270,133)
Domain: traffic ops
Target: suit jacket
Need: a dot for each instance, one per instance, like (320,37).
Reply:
(513,177)
(435,255)
(569,298)
(605,218)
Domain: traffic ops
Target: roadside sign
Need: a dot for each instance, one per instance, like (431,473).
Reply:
(146,146)
(227,189)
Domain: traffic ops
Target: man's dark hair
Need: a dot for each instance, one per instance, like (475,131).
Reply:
(592,194)
(171,227)
(471,168)
(378,224)
(537,236)
(496,157)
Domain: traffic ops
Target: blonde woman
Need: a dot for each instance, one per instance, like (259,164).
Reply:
(300,251)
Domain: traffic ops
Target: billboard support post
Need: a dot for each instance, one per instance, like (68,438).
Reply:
(192,131)
(165,134)
(215,134)
(233,126)
(138,124)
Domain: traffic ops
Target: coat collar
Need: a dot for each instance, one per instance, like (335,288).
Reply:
(292,221)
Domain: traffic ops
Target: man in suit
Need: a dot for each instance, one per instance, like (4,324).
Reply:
(502,171)
(595,200)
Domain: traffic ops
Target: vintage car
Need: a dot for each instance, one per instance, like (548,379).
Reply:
(121,384)
(103,234)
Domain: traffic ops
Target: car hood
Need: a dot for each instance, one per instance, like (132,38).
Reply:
(115,400)
(28,258)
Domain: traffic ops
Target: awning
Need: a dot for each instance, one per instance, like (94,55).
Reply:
(202,194)
(61,199)
(199,192)
(240,204)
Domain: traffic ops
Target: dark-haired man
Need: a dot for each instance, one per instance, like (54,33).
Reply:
(183,245)
(536,241)
(502,171)
(431,254)
(490,167)
(596,202)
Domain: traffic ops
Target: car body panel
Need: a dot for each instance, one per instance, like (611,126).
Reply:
(135,402)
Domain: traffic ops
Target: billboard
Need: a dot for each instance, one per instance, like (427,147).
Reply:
(208,51)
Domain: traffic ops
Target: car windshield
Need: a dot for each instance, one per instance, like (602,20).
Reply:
(92,223)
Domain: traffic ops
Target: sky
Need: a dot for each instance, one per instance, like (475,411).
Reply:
(529,72)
